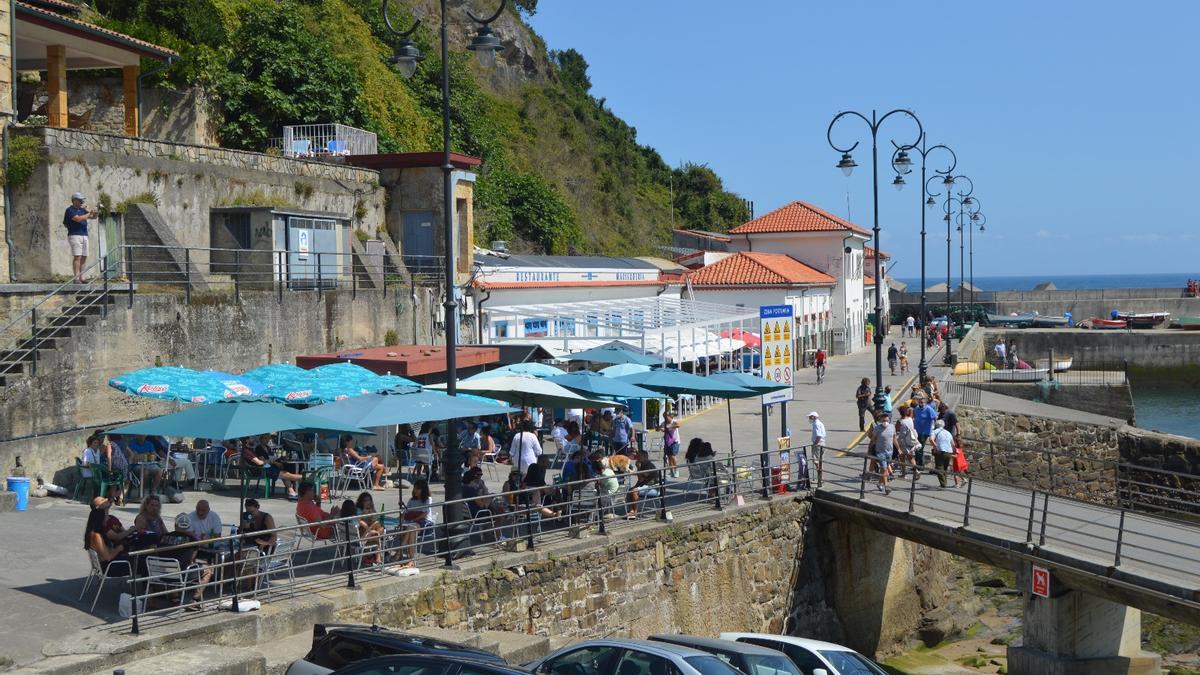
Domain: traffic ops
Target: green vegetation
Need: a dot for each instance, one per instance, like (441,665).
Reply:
(23,158)
(561,172)
(142,198)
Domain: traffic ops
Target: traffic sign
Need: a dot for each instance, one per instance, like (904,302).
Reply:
(1041,581)
(776,330)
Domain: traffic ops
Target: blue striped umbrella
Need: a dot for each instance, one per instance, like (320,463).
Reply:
(239,384)
(172,383)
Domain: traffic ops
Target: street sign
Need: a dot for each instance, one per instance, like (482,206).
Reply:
(777,326)
(1041,581)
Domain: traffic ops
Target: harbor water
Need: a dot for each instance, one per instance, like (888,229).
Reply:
(1169,408)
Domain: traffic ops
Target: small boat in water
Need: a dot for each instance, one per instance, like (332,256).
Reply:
(1061,363)
(1144,319)
(1019,374)
(1187,322)
(1040,321)
(1012,320)
(1103,324)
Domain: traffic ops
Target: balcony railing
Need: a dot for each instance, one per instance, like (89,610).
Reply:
(324,140)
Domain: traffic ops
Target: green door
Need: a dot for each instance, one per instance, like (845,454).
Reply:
(112,244)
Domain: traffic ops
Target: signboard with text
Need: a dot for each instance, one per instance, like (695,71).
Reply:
(1041,581)
(777,326)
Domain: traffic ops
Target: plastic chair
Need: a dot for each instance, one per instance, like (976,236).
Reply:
(165,572)
(336,147)
(301,148)
(350,545)
(257,475)
(278,562)
(353,472)
(476,523)
(305,533)
(102,572)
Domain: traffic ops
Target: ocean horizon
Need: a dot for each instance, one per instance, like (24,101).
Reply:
(1065,282)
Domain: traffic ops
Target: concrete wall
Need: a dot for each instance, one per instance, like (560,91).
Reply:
(186,180)
(1141,348)
(1082,304)
(49,415)
(1115,400)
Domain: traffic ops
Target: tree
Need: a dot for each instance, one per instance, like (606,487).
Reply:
(701,199)
(572,70)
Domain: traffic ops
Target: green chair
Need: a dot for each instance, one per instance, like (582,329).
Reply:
(82,481)
(100,480)
(258,476)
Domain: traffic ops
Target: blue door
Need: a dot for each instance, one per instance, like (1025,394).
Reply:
(417,246)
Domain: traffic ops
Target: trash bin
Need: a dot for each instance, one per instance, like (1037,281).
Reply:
(20,486)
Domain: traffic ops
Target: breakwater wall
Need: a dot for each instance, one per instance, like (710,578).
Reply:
(1141,349)
(1082,304)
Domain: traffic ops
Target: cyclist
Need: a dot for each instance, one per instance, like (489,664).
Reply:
(819,362)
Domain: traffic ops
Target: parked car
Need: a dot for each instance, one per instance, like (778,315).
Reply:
(812,657)
(629,657)
(748,658)
(336,646)
(425,664)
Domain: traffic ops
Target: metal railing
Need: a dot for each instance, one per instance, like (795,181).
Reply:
(1068,370)
(325,140)
(343,551)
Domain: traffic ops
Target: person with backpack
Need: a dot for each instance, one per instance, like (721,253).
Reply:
(943,450)
(908,440)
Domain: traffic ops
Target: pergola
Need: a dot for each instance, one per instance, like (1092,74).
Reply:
(50,40)
(675,329)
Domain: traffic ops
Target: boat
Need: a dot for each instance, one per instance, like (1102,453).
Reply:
(1050,322)
(1019,374)
(1061,363)
(1188,322)
(1103,324)
(1144,319)
(1013,320)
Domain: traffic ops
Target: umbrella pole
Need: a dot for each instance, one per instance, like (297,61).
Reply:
(729,414)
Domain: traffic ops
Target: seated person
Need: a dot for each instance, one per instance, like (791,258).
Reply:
(536,478)
(607,485)
(417,515)
(142,452)
(173,461)
(474,489)
(149,518)
(94,538)
(370,525)
(261,458)
(367,462)
(308,509)
(254,521)
(646,487)
(512,485)
(187,556)
(205,523)
(114,531)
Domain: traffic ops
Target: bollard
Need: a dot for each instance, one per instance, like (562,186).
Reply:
(912,494)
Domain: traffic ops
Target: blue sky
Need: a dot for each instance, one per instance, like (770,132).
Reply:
(1074,119)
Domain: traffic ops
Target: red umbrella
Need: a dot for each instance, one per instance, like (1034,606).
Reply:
(751,339)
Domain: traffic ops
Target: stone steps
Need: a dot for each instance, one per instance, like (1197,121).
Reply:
(202,660)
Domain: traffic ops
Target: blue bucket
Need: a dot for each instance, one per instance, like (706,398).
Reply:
(21,487)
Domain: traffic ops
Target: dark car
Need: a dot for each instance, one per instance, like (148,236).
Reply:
(336,646)
(425,664)
(748,658)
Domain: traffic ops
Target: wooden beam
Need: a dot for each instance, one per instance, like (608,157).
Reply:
(130,77)
(56,85)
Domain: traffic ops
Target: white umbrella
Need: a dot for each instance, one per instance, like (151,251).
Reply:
(526,391)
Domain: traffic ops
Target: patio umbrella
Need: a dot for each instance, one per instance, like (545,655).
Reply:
(405,406)
(273,372)
(751,339)
(347,375)
(613,354)
(532,368)
(620,370)
(171,383)
(760,385)
(586,383)
(675,382)
(526,391)
(238,384)
(233,419)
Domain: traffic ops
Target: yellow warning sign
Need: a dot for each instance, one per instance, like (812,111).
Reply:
(767,357)
(787,331)
(778,357)
(787,354)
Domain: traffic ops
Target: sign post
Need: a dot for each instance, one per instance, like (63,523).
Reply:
(1041,582)
(776,328)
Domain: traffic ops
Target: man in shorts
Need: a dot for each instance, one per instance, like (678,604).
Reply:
(76,221)
(883,447)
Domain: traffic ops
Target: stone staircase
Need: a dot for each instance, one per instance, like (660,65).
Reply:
(82,309)
(154,255)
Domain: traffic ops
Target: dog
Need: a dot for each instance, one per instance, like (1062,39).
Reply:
(618,463)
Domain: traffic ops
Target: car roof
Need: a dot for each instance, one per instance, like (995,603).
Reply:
(704,644)
(659,648)
(798,641)
(433,660)
(379,634)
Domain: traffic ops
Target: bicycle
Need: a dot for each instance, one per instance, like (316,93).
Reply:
(820,373)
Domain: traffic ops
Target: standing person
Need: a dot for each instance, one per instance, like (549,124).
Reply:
(76,221)
(818,436)
(887,401)
(943,450)
(862,397)
(903,358)
(1013,360)
(910,326)
(670,429)
(883,445)
(819,361)
(622,432)
(923,418)
(1001,352)
(525,448)
(422,454)
(908,440)
(893,357)
(947,415)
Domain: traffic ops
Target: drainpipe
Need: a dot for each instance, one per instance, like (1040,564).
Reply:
(167,64)
(479,313)
(8,220)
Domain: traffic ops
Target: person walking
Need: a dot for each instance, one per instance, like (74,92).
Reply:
(887,401)
(908,441)
(893,356)
(910,326)
(622,433)
(923,419)
(670,429)
(862,397)
(943,451)
(76,221)
(903,358)
(883,447)
(818,436)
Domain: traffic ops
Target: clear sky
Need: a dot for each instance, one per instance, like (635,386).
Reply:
(1076,120)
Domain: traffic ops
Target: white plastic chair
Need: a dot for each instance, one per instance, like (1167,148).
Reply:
(476,525)
(102,572)
(278,562)
(165,572)
(353,472)
(304,534)
(350,545)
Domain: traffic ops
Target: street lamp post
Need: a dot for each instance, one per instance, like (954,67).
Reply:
(967,207)
(847,164)
(485,45)
(977,220)
(902,165)
(948,183)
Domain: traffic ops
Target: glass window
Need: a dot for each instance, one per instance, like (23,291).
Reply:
(585,661)
(710,665)
(803,658)
(340,650)
(769,665)
(634,662)
(399,668)
(501,328)
(851,663)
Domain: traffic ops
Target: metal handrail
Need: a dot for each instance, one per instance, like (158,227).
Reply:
(523,522)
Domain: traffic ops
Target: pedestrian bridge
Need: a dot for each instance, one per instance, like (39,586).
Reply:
(1103,560)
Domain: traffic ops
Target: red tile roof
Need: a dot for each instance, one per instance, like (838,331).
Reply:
(705,235)
(870,253)
(501,285)
(797,217)
(89,31)
(749,268)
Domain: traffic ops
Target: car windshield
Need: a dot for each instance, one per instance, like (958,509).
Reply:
(770,665)
(710,665)
(851,663)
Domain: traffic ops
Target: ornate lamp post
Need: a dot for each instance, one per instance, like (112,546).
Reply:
(847,164)
(948,184)
(903,166)
(485,45)
(967,207)
(977,220)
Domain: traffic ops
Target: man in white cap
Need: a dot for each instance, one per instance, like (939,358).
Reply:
(818,435)
(76,221)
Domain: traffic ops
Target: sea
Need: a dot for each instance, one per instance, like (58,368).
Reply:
(1066,281)
(1171,409)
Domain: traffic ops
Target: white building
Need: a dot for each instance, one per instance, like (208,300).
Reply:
(825,243)
(753,279)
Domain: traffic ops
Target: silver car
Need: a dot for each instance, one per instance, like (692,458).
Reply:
(629,657)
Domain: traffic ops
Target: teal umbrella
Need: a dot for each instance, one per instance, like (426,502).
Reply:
(675,382)
(614,355)
(275,372)
(405,406)
(593,384)
(533,369)
(748,381)
(346,375)
(623,369)
(233,419)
